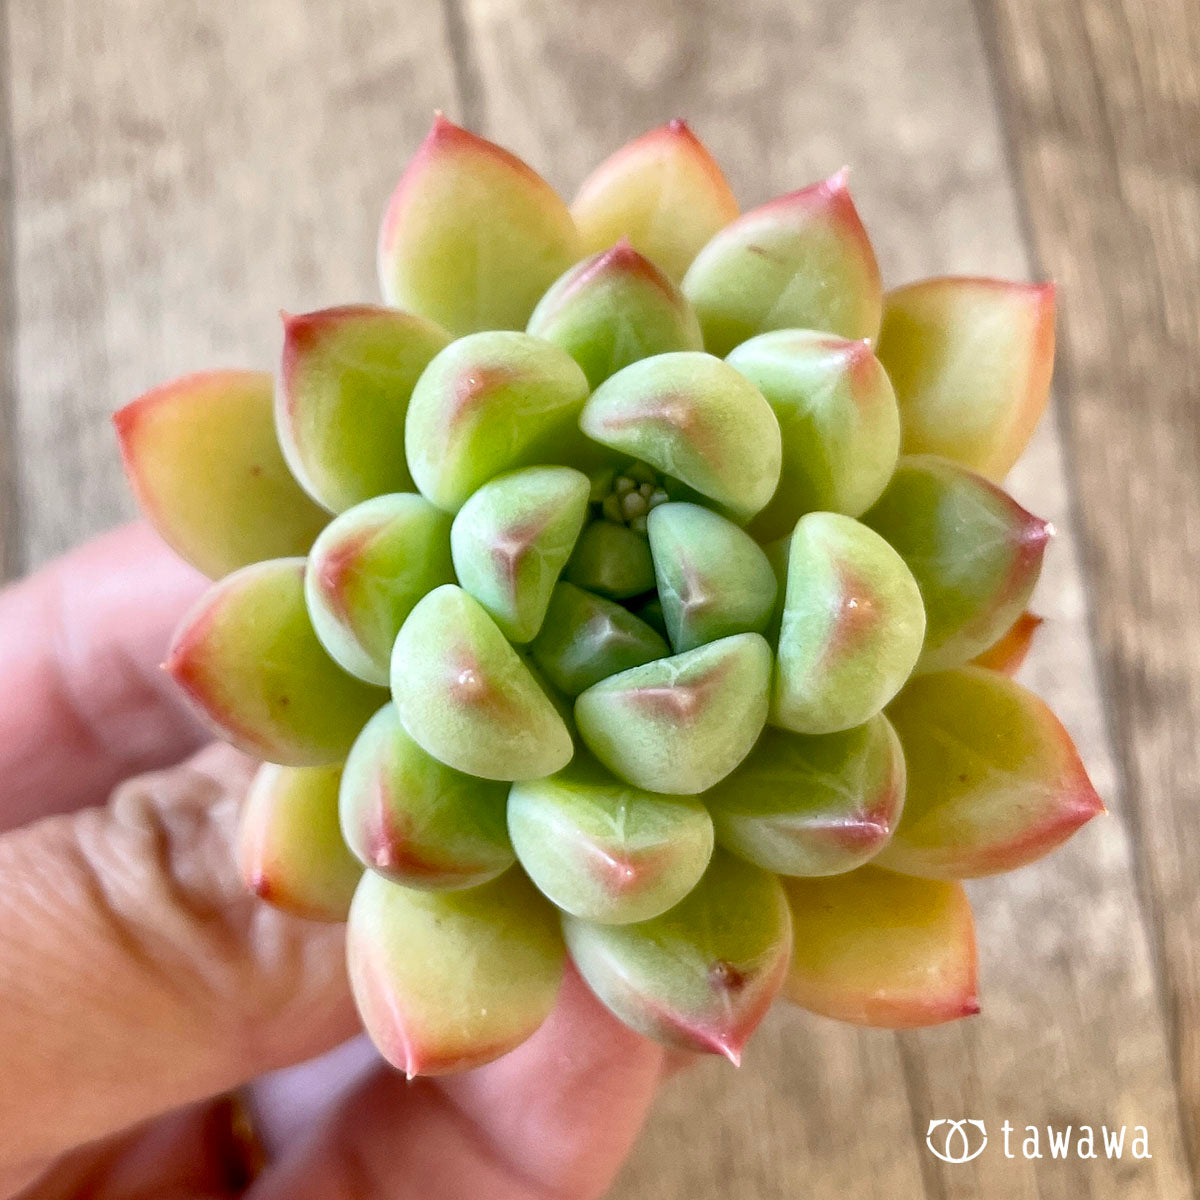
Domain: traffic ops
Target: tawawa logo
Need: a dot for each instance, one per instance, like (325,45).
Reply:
(966,1139)
(956,1144)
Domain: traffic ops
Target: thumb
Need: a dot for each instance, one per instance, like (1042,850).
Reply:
(136,974)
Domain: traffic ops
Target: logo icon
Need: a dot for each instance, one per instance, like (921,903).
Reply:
(956,1144)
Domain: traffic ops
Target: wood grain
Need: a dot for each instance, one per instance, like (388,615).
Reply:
(176,182)
(1103,103)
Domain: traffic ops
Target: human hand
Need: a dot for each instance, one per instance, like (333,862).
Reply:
(139,982)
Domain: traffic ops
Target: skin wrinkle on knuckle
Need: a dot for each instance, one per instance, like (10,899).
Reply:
(240,965)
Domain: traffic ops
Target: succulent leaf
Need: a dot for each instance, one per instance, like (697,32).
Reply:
(994,781)
(465,696)
(247,657)
(487,404)
(472,236)
(513,537)
(971,361)
(852,626)
(447,980)
(586,638)
(204,464)
(345,379)
(801,261)
(290,849)
(838,418)
(696,419)
(881,949)
(974,551)
(680,724)
(812,805)
(416,820)
(612,560)
(613,309)
(663,191)
(366,571)
(703,974)
(605,851)
(713,578)
(1009,653)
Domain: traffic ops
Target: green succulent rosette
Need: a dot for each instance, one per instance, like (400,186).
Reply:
(631,587)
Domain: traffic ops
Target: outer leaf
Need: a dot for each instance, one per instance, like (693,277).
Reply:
(994,781)
(450,980)
(713,578)
(802,261)
(974,551)
(605,851)
(367,570)
(487,404)
(696,419)
(290,850)
(971,361)
(663,191)
(1009,653)
(812,805)
(838,417)
(680,724)
(415,820)
(344,385)
(201,455)
(852,626)
(586,638)
(702,975)
(248,659)
(472,237)
(466,697)
(882,949)
(513,537)
(611,559)
(613,309)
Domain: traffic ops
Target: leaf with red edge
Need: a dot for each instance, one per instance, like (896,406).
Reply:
(466,696)
(290,848)
(882,949)
(970,360)
(663,191)
(416,820)
(851,630)
(603,850)
(802,261)
(613,309)
(975,552)
(345,379)
(701,976)
(472,236)
(207,471)
(818,805)
(449,980)
(247,657)
(694,418)
(994,781)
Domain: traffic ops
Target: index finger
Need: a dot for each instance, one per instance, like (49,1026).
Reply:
(83,703)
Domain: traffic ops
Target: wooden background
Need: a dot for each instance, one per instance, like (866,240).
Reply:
(173,174)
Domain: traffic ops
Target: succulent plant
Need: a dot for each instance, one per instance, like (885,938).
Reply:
(632,587)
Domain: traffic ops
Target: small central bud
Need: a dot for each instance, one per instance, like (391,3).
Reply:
(626,497)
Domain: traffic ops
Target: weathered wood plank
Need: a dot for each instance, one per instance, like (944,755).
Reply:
(1064,949)
(1103,98)
(178,181)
